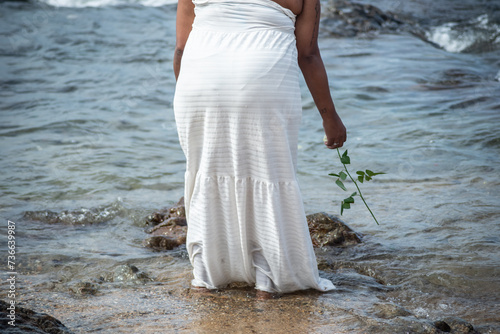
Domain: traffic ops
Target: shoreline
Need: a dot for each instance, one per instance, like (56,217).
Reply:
(157,308)
(149,292)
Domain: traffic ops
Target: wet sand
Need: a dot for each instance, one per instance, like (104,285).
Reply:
(159,308)
(174,308)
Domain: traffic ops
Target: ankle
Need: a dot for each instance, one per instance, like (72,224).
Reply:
(264,295)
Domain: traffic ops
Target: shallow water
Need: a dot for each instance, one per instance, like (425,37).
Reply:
(87,122)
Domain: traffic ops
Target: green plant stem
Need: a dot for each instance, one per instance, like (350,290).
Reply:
(356,184)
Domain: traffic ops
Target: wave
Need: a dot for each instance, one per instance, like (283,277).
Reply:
(476,35)
(107,3)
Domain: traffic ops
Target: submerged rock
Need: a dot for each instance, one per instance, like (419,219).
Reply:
(81,288)
(121,275)
(455,325)
(390,310)
(82,216)
(28,321)
(328,230)
(126,273)
(160,242)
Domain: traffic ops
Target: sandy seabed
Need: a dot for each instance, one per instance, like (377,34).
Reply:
(160,309)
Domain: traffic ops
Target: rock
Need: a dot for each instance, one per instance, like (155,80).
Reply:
(172,230)
(327,230)
(168,228)
(347,19)
(165,225)
(390,310)
(28,321)
(126,273)
(455,325)
(159,217)
(177,232)
(84,288)
(160,242)
(408,324)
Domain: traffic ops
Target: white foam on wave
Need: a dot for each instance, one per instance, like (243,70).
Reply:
(107,3)
(445,37)
(455,37)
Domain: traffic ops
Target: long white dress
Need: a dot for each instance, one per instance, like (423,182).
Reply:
(238,109)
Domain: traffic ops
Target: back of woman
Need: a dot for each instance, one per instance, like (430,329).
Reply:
(238,111)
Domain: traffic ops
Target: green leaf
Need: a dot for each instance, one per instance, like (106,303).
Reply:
(361,176)
(345,159)
(370,173)
(349,200)
(340,184)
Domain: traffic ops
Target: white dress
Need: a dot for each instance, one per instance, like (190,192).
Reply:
(238,111)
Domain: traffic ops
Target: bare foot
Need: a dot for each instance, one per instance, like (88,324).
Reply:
(264,295)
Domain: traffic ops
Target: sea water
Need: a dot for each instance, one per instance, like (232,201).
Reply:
(86,125)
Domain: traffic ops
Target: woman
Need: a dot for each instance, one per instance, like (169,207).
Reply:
(238,110)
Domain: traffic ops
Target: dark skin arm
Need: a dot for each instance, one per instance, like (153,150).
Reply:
(313,69)
(185,18)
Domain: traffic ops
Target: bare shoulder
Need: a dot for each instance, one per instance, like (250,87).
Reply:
(294,5)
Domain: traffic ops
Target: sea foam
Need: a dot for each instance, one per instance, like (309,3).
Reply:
(476,35)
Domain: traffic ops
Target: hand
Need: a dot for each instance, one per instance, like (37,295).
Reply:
(335,132)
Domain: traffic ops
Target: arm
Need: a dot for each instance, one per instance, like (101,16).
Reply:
(311,65)
(185,18)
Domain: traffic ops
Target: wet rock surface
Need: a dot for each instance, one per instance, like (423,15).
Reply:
(160,242)
(70,279)
(28,321)
(81,288)
(126,273)
(328,230)
(349,19)
(168,228)
(177,211)
(390,310)
(455,325)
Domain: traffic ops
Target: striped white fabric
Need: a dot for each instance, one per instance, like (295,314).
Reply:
(238,110)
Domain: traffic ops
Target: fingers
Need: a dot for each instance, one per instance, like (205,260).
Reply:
(333,143)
